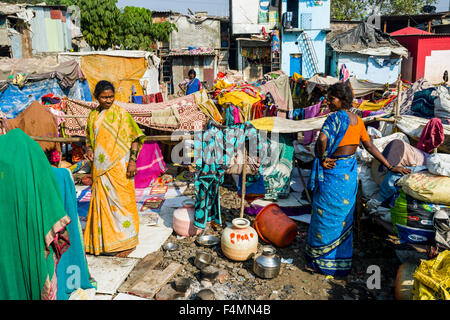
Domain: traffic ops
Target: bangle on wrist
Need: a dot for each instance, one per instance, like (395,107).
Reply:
(391,167)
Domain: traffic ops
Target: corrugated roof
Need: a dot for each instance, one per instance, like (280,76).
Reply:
(409,31)
(187,53)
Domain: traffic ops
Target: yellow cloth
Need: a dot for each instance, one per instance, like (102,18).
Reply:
(237,98)
(432,278)
(113,220)
(221,84)
(264,123)
(297,76)
(246,111)
(122,72)
(207,106)
(371,106)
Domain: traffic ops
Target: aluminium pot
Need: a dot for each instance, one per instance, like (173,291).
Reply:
(267,265)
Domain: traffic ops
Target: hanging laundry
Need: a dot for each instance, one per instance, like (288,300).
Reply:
(432,136)
(150,165)
(275,41)
(311,112)
(213,150)
(277,171)
(344,73)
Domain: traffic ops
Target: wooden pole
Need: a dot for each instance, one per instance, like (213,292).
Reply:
(83,139)
(303,181)
(398,102)
(244,185)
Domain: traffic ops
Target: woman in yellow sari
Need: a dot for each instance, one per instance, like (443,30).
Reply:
(113,141)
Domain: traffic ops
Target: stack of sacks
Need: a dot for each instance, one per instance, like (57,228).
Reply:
(423,204)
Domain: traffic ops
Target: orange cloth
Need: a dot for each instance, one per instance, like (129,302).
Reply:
(354,134)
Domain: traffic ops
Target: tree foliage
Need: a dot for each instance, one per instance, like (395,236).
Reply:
(104,26)
(137,31)
(362,9)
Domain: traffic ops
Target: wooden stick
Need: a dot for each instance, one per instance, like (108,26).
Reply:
(72,116)
(244,185)
(303,181)
(379,119)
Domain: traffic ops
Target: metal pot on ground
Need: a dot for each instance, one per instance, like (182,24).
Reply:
(267,265)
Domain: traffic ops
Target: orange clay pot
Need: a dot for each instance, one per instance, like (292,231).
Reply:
(240,241)
(274,226)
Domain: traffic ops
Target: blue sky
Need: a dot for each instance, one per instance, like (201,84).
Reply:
(214,7)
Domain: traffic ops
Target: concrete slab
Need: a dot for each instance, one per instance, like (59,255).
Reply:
(124,296)
(109,272)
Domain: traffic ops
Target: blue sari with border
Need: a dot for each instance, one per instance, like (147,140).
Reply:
(193,86)
(329,246)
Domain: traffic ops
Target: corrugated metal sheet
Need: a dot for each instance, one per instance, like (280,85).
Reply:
(39,35)
(50,35)
(16,44)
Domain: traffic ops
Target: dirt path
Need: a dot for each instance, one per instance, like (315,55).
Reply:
(294,282)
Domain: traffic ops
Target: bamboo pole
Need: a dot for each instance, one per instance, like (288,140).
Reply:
(398,102)
(159,138)
(244,185)
(83,139)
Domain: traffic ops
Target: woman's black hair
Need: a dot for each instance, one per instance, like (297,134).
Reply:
(192,71)
(101,86)
(343,92)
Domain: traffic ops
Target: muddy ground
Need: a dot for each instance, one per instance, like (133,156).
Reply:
(295,282)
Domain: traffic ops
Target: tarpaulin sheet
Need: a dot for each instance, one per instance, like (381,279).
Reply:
(40,69)
(121,72)
(360,87)
(368,40)
(14,100)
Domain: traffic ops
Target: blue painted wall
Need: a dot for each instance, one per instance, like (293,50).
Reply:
(313,19)
(366,68)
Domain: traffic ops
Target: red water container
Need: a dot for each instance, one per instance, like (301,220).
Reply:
(274,226)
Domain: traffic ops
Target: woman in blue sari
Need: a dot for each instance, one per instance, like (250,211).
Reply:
(192,84)
(334,182)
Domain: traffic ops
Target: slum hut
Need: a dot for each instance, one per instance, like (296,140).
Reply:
(368,53)
(252,21)
(428,54)
(437,22)
(28,30)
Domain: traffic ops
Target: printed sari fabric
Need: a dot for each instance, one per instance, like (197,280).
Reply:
(73,261)
(33,221)
(113,221)
(277,171)
(213,150)
(329,247)
(150,164)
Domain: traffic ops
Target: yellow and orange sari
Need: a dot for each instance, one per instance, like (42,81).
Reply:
(113,220)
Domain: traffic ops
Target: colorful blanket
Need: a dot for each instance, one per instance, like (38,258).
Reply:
(177,114)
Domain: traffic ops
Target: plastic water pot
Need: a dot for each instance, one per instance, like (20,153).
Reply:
(274,226)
